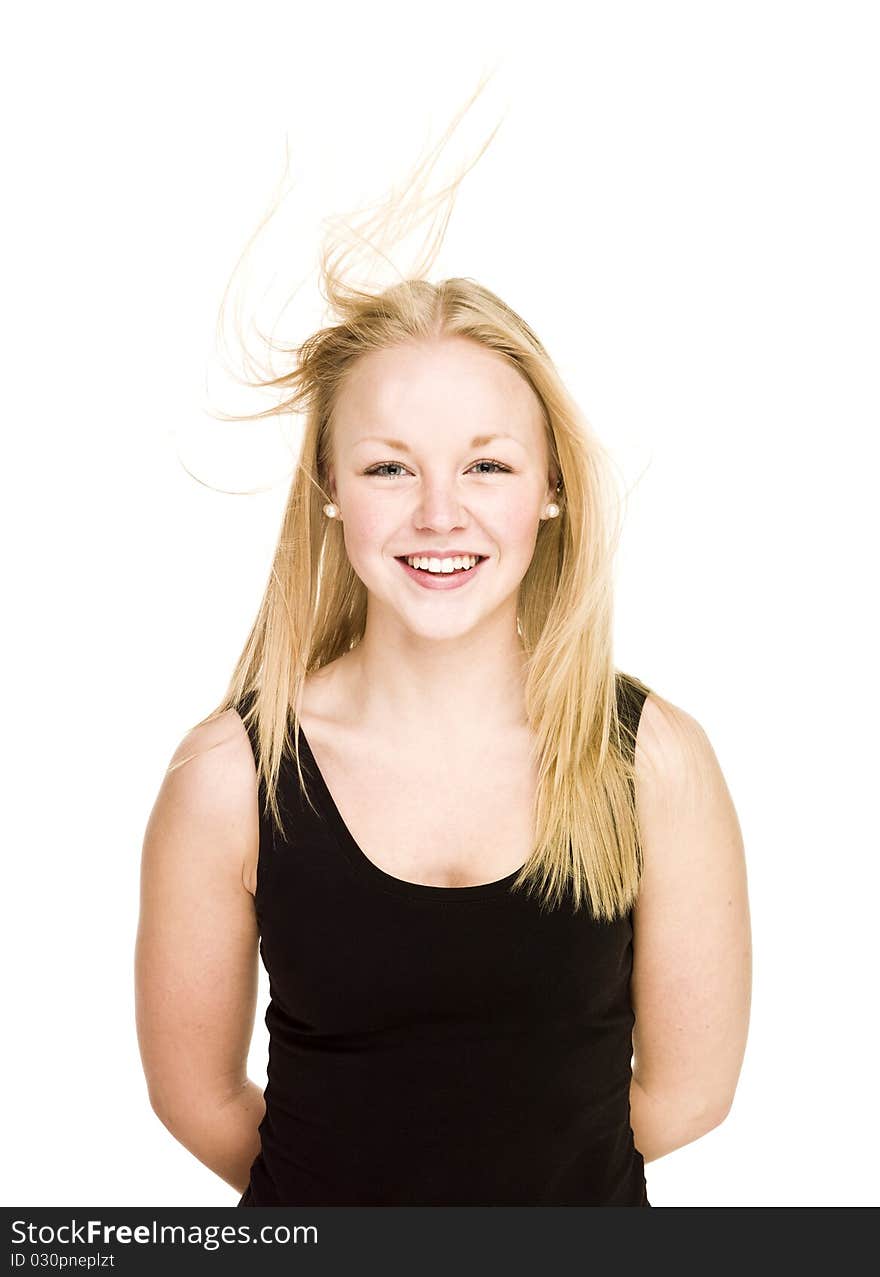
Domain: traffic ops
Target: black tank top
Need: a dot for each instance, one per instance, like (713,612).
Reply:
(435,1046)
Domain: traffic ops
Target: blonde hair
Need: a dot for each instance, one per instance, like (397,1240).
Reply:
(314,607)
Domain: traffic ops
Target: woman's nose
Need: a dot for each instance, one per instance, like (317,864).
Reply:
(439,506)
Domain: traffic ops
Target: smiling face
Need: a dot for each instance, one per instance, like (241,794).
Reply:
(439,446)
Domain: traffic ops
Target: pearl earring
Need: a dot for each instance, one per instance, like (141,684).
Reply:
(331,510)
(552,510)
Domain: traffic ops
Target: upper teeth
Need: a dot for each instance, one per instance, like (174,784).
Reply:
(442,565)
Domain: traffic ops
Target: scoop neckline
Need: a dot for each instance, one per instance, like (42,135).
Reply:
(370,871)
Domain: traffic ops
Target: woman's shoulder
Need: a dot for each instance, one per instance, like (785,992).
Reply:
(210,785)
(671,743)
(680,785)
(218,746)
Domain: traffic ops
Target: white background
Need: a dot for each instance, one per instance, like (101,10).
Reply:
(683,202)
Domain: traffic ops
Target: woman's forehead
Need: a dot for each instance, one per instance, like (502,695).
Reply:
(454,387)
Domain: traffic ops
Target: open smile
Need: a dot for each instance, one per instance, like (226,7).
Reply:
(453,580)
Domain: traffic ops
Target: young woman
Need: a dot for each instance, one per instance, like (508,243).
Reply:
(482,866)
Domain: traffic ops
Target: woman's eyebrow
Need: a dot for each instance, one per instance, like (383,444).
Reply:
(479,441)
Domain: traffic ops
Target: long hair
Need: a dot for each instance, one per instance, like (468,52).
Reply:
(314,607)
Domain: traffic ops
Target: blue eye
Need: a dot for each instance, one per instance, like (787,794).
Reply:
(386,465)
(499,468)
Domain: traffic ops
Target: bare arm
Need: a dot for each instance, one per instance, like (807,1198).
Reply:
(692,966)
(197,952)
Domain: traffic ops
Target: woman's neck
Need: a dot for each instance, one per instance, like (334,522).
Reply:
(460,689)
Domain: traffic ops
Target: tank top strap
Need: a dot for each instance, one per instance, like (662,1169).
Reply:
(631,697)
(243,706)
(267,850)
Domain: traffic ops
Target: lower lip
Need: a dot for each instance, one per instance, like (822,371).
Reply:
(440,580)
